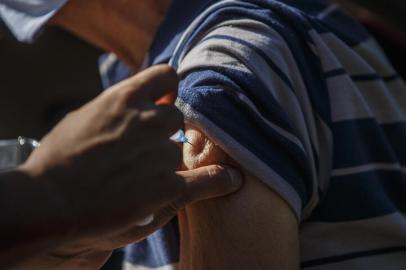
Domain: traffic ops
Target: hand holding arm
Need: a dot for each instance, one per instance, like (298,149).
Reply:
(101,170)
(85,181)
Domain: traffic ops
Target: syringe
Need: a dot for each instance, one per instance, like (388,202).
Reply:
(180,137)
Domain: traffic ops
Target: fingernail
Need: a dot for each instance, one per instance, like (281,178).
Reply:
(236,178)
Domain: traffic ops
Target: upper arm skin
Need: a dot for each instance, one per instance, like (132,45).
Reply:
(252,229)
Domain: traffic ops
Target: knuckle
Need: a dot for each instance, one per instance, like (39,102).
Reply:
(117,113)
(129,119)
(143,79)
(218,174)
(148,116)
(214,170)
(121,92)
(123,96)
(136,81)
(114,105)
(163,117)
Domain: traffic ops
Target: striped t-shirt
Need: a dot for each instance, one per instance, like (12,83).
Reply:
(303,98)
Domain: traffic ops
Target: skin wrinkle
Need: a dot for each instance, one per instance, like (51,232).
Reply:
(201,151)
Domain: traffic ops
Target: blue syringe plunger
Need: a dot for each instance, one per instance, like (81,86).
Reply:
(180,137)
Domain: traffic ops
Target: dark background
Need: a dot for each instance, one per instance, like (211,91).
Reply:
(41,82)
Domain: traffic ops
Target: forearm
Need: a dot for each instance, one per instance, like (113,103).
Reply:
(125,28)
(33,218)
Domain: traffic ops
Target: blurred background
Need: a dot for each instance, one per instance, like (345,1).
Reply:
(43,81)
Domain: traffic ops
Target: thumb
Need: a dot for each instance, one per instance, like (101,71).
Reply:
(199,184)
(155,83)
(209,182)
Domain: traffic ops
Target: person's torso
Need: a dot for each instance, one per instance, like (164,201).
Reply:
(358,222)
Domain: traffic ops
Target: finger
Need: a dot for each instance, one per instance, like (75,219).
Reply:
(195,185)
(165,158)
(150,159)
(209,182)
(153,83)
(167,99)
(163,120)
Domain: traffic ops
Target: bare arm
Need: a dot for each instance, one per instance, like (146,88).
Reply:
(253,229)
(126,28)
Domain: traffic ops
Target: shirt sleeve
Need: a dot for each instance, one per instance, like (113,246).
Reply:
(25,18)
(241,86)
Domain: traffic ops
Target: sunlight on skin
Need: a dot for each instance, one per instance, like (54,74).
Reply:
(238,231)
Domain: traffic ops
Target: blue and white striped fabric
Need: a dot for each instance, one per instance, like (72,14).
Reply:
(303,98)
